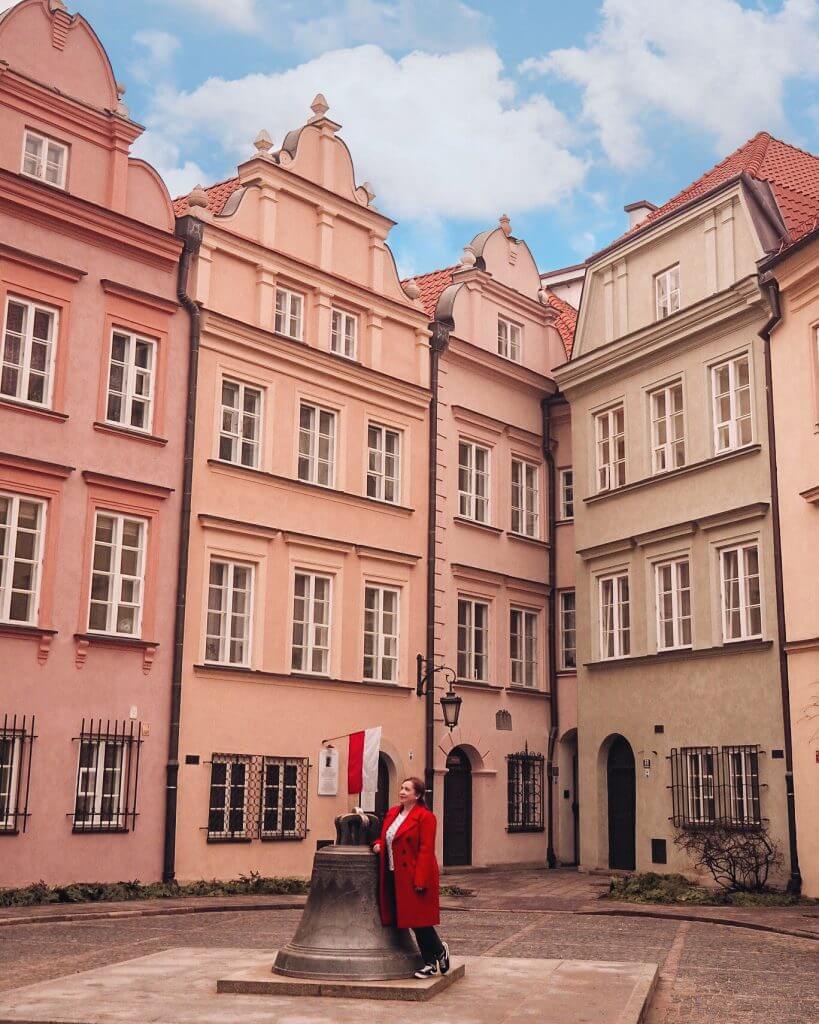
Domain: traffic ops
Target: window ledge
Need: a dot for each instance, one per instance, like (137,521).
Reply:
(536,541)
(566,672)
(230,839)
(282,839)
(112,640)
(564,522)
(528,691)
(683,654)
(475,684)
(522,829)
(34,410)
(656,478)
(21,629)
(465,521)
(138,435)
(97,830)
(285,677)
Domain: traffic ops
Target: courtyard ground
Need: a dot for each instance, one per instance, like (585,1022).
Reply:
(717,964)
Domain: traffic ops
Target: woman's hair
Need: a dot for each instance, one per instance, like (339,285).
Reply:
(419,787)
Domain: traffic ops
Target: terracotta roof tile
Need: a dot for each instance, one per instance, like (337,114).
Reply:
(218,195)
(566,320)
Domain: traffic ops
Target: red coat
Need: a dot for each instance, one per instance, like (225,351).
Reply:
(413,852)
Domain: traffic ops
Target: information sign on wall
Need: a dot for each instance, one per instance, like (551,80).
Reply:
(328,772)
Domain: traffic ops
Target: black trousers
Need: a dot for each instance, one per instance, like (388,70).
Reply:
(427,938)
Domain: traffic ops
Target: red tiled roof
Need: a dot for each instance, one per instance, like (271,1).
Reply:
(792,173)
(218,195)
(566,320)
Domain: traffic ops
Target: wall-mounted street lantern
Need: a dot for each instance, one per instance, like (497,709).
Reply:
(450,701)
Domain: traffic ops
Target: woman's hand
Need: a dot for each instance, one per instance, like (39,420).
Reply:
(420,889)
(376,847)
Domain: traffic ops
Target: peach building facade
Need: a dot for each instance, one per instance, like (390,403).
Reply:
(91,414)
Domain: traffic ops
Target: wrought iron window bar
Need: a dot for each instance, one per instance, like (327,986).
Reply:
(257,796)
(525,773)
(107,776)
(717,797)
(17,738)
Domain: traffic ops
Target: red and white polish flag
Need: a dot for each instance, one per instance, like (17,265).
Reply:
(362,763)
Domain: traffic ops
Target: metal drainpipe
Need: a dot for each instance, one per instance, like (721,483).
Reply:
(770,287)
(546,411)
(190,230)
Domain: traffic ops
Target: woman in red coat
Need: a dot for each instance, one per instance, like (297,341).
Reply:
(408,875)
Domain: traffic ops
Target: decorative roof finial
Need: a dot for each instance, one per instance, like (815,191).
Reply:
(319,106)
(122,109)
(263,144)
(468,258)
(505,224)
(57,5)
(198,197)
(412,289)
(370,193)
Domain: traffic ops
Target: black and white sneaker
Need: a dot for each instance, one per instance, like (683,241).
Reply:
(427,971)
(443,958)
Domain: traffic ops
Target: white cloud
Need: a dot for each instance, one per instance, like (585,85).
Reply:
(180,175)
(241,15)
(160,46)
(710,65)
(438,136)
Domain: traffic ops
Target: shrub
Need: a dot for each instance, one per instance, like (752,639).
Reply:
(737,860)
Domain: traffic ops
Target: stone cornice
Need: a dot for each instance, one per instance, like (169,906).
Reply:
(494,366)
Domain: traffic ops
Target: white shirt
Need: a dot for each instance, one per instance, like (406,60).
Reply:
(388,838)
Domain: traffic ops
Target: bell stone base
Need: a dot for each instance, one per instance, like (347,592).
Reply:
(261,981)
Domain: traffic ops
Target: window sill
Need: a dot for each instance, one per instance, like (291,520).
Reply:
(475,684)
(465,521)
(528,691)
(230,839)
(21,629)
(112,640)
(536,541)
(566,672)
(306,677)
(9,831)
(138,435)
(35,410)
(683,654)
(671,474)
(564,522)
(282,839)
(522,829)
(98,830)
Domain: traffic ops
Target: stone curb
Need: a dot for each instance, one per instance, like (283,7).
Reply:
(729,922)
(102,915)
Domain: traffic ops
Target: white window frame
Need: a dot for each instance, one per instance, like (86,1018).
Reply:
(700,785)
(302,655)
(510,339)
(667,292)
(10,771)
(384,659)
(731,425)
(611,471)
(343,342)
(94,818)
(620,631)
(741,790)
(312,434)
(524,627)
(377,460)
(677,618)
(41,174)
(237,439)
(566,494)
(288,319)
(8,543)
(669,453)
(225,832)
(228,591)
(27,340)
(525,498)
(131,372)
(745,607)
(471,503)
(476,664)
(568,615)
(115,575)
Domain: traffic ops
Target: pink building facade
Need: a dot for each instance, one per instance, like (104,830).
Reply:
(94,353)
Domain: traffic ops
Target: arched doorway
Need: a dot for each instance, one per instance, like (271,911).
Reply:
(458,809)
(382,795)
(622,792)
(568,801)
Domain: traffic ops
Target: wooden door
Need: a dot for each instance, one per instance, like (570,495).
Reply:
(458,810)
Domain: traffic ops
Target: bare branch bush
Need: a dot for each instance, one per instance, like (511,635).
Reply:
(738,860)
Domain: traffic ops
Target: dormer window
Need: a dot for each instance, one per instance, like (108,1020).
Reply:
(509,337)
(44,159)
(667,291)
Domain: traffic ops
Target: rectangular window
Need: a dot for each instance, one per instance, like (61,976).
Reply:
(615,623)
(228,808)
(130,381)
(29,337)
(317,445)
(701,790)
(509,338)
(525,499)
(523,647)
(240,430)
(473,640)
(117,575)
(741,595)
(230,600)
(22,531)
(610,433)
(568,630)
(381,634)
(107,776)
(311,624)
(566,494)
(44,159)
(11,742)
(731,391)
(473,481)
(284,798)
(667,428)
(289,314)
(525,792)
(344,333)
(667,291)
(383,463)
(673,604)
(741,771)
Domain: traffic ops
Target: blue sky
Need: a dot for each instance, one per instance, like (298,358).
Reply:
(459,110)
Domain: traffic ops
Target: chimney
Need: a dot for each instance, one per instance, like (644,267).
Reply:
(637,212)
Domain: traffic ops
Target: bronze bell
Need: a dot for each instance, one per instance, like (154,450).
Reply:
(340,934)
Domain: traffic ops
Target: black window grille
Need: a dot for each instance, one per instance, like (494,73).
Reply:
(16,743)
(107,776)
(525,791)
(713,785)
(257,797)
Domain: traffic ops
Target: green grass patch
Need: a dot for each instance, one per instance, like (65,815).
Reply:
(676,890)
(456,890)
